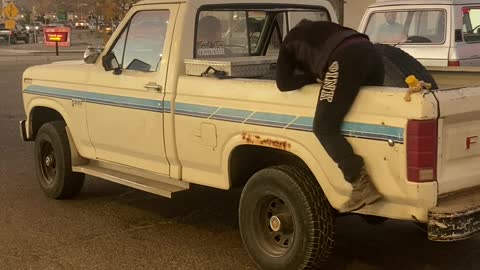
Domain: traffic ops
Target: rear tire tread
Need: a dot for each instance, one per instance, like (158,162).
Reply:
(318,253)
(307,199)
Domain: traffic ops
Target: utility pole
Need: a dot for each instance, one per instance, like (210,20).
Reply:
(35,38)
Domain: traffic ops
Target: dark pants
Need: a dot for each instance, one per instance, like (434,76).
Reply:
(350,67)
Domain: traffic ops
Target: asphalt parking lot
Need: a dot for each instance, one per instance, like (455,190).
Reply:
(113,227)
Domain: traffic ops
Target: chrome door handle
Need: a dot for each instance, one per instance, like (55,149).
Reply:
(153,86)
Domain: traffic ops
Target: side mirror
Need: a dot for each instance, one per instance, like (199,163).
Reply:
(91,54)
(110,62)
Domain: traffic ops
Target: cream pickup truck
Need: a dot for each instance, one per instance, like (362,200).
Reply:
(183,94)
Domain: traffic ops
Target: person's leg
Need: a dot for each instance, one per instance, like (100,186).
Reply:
(348,71)
(350,68)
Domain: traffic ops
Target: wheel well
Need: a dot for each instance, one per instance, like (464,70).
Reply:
(246,160)
(42,115)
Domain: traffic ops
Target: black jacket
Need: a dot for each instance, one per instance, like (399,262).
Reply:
(307,47)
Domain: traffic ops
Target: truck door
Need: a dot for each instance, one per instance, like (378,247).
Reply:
(125,110)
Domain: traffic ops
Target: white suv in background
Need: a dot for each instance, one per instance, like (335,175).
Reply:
(436,32)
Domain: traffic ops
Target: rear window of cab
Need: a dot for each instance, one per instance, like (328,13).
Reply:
(248,32)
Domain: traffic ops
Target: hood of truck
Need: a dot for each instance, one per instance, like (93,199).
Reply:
(65,73)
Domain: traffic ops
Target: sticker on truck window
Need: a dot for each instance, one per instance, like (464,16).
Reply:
(210,48)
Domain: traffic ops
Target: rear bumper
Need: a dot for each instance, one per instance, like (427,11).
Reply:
(456,217)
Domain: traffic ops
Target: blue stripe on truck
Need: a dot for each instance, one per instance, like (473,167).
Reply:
(284,121)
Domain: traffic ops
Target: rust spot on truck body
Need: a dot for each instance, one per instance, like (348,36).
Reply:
(265,141)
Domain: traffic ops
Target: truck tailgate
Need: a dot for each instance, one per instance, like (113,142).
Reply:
(458,164)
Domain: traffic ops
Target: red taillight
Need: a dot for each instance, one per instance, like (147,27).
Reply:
(422,150)
(11,33)
(454,63)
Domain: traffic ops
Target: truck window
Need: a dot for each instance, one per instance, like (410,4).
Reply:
(294,17)
(236,33)
(415,26)
(229,33)
(140,46)
(471,24)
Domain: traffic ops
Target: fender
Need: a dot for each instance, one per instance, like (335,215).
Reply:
(335,194)
(47,103)
(77,154)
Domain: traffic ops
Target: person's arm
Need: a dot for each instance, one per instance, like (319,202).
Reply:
(286,78)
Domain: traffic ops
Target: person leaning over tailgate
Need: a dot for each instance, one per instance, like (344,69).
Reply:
(344,60)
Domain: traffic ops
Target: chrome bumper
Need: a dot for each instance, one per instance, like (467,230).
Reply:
(456,217)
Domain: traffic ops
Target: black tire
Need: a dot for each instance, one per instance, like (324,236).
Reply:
(27,39)
(422,227)
(53,165)
(399,65)
(294,196)
(374,220)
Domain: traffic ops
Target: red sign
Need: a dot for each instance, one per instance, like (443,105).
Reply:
(57,34)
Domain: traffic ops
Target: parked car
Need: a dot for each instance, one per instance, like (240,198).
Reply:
(39,26)
(30,28)
(81,25)
(106,28)
(145,112)
(13,36)
(436,32)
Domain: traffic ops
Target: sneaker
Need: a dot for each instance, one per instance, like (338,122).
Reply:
(363,193)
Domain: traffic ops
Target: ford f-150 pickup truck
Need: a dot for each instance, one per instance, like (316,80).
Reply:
(183,94)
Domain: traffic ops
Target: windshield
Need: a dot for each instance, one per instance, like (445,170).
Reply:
(471,24)
(415,26)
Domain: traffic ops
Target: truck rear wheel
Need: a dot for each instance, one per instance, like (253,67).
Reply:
(286,222)
(53,165)
(399,65)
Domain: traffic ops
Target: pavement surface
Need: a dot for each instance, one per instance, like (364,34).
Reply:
(114,227)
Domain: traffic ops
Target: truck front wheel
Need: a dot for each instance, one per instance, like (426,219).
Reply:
(53,165)
(286,222)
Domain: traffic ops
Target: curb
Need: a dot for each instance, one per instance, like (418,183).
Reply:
(36,52)
(46,58)
(60,52)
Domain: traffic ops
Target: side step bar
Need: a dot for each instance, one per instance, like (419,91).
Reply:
(161,185)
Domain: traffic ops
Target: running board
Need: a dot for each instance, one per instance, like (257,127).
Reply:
(161,185)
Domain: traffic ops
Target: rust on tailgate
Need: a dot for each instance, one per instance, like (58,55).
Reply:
(265,141)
